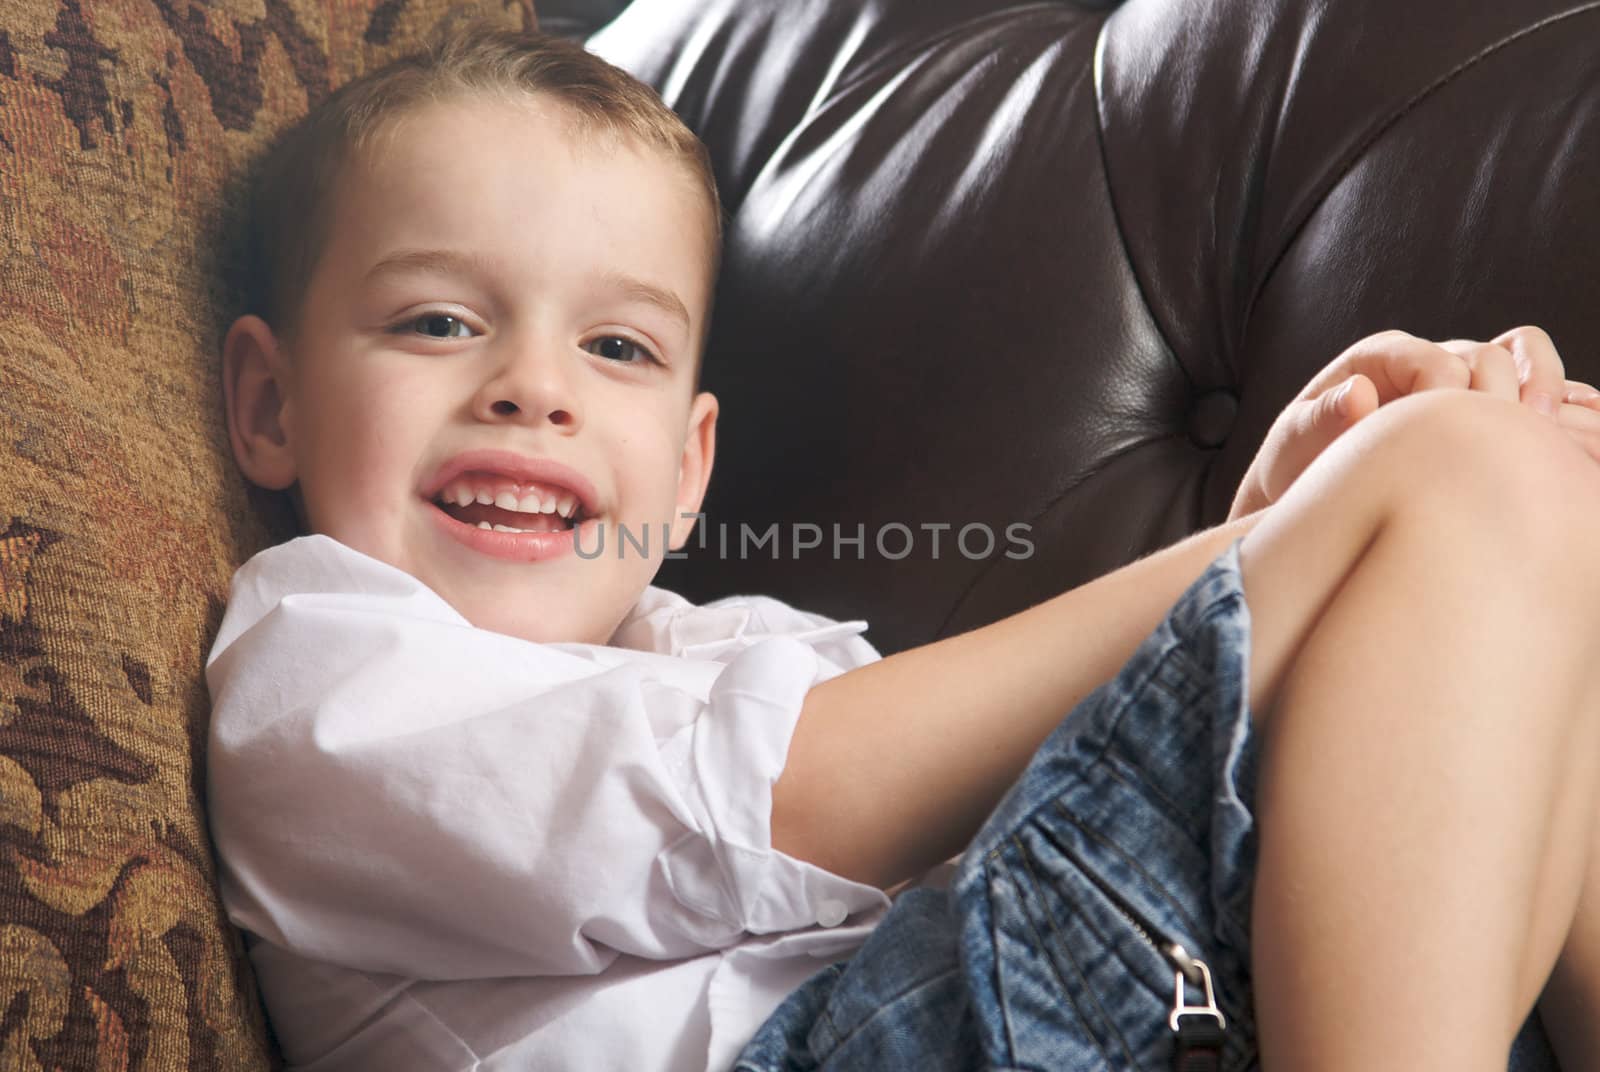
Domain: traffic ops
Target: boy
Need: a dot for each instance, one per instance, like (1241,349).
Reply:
(482,801)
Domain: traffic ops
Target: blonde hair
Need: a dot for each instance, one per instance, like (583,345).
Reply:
(294,184)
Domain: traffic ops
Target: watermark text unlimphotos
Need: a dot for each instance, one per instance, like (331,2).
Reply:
(893,541)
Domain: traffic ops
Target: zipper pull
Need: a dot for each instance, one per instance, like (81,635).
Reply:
(1199,1029)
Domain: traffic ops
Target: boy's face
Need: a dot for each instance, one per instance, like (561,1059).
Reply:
(500,313)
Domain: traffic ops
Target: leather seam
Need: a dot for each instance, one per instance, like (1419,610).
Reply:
(1337,173)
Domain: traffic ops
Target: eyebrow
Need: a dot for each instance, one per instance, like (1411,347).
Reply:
(638,290)
(446,261)
(429,260)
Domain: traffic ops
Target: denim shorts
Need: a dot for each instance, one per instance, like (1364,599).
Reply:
(1131,828)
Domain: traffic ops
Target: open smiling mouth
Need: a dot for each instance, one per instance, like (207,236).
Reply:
(501,506)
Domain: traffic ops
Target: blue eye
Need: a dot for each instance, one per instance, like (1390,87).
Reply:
(617,348)
(438,326)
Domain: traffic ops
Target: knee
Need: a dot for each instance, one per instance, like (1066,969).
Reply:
(1470,462)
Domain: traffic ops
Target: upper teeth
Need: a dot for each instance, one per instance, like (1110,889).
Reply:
(525,499)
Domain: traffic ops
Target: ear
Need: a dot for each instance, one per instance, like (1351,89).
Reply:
(694,469)
(254,388)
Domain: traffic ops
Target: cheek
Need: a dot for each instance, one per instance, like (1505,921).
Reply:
(350,440)
(658,457)
(361,457)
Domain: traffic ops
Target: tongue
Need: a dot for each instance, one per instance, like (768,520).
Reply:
(516,519)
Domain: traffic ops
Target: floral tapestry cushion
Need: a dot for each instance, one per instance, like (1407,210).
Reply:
(125,128)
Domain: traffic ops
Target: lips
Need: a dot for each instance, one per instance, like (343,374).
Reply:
(510,506)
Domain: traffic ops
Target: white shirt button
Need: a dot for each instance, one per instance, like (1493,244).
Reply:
(831,913)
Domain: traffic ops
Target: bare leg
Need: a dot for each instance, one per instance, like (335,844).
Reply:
(1426,613)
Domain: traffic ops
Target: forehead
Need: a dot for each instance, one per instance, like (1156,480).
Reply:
(501,163)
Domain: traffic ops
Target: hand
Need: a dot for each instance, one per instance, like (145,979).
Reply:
(1520,365)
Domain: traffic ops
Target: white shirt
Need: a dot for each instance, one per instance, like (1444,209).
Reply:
(456,849)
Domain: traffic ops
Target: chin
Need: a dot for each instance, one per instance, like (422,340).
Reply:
(539,630)
(588,614)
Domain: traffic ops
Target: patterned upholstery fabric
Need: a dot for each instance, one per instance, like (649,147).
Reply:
(125,127)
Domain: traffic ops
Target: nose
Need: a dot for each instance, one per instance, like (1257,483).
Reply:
(531,382)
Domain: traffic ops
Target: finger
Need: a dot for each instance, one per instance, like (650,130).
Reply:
(1578,393)
(1539,366)
(1494,369)
(1399,364)
(1578,418)
(1327,410)
(1358,399)
(1583,424)
(1312,424)
(1316,422)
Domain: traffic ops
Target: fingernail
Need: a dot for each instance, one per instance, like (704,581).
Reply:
(1544,402)
(1342,396)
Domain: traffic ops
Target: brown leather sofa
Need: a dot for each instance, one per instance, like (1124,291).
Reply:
(989,264)
(1062,263)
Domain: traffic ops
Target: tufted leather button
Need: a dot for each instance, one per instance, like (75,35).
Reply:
(1211,417)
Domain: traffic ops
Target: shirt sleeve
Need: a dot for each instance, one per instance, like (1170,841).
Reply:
(393,790)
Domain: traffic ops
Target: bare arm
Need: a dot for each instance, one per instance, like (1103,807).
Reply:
(894,766)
